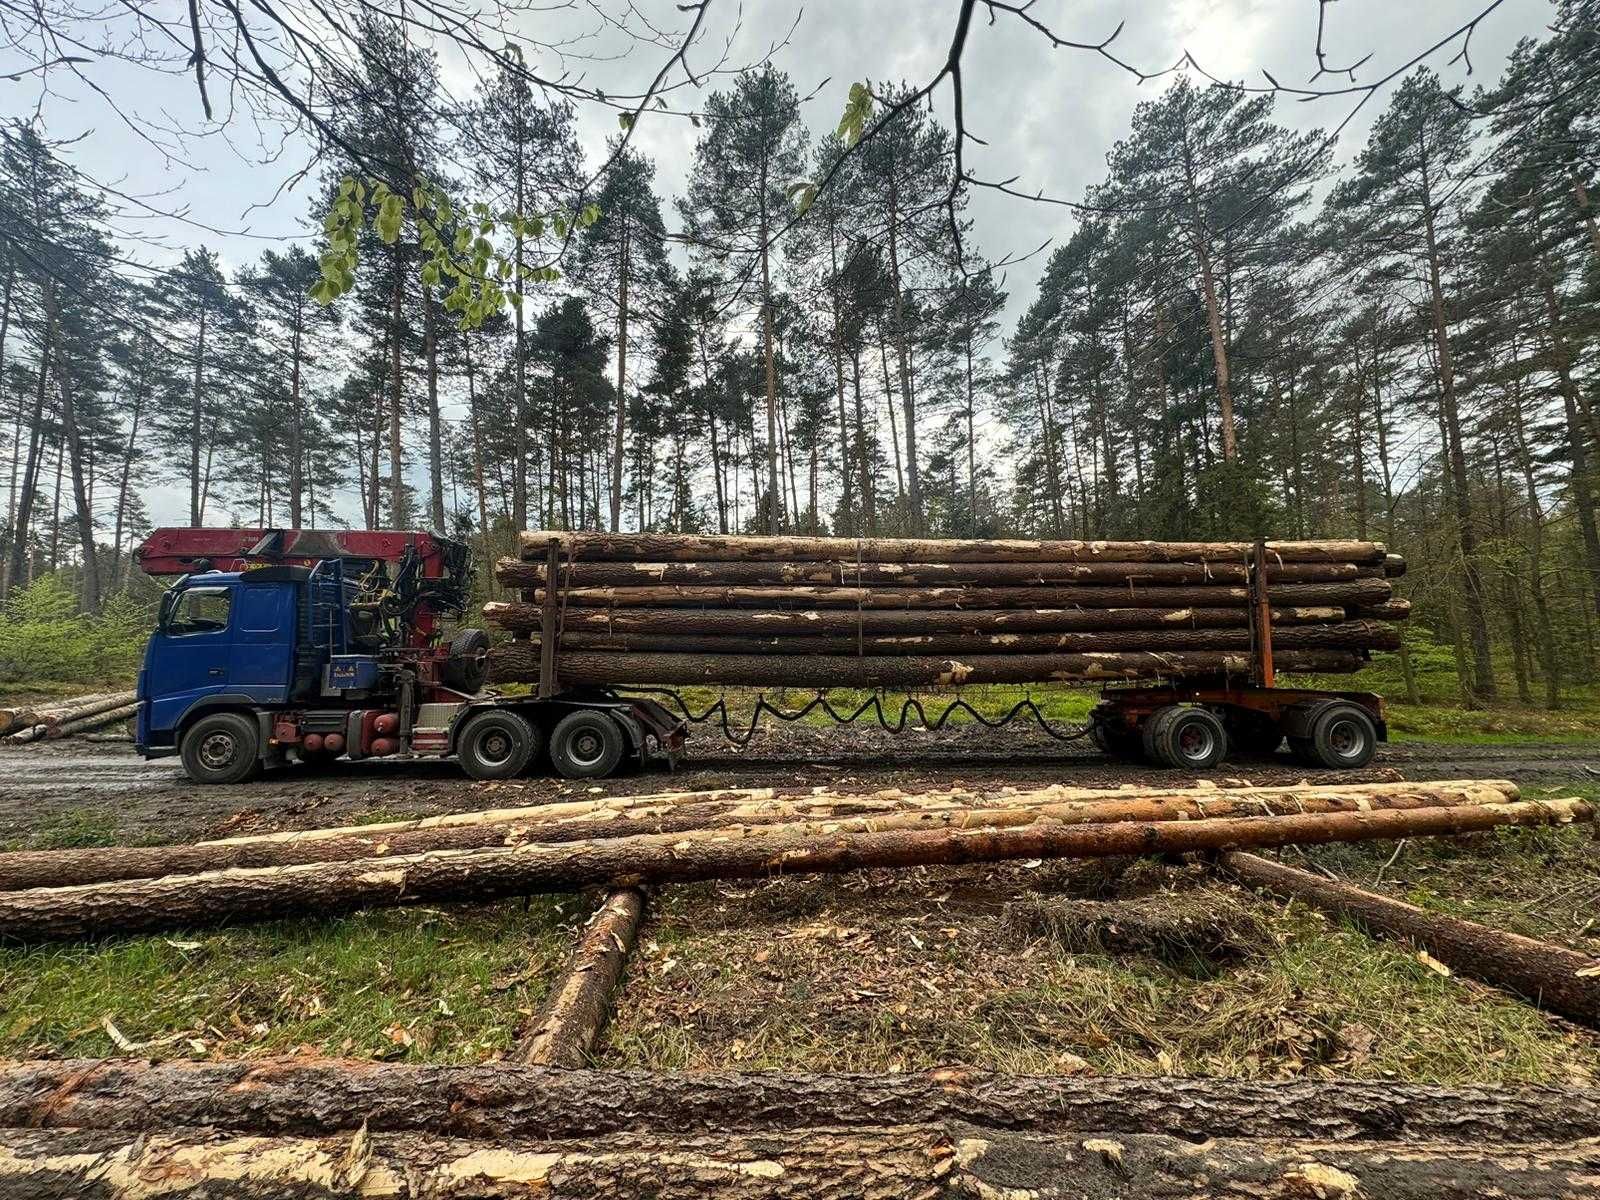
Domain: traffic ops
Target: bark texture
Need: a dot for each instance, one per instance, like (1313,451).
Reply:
(298,1095)
(668,547)
(519,662)
(576,1011)
(180,901)
(879,1162)
(682,812)
(1554,977)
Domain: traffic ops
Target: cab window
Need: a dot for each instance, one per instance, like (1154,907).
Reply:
(199,610)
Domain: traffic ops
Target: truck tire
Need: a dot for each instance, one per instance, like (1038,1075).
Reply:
(1188,739)
(497,744)
(586,745)
(1342,738)
(224,747)
(466,664)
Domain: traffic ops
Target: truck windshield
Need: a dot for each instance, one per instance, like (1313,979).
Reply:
(199,610)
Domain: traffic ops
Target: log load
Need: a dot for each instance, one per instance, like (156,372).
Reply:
(609,817)
(218,897)
(300,1095)
(1562,980)
(70,717)
(675,609)
(861,1162)
(519,661)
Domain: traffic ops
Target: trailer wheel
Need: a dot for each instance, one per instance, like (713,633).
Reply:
(1342,738)
(586,745)
(221,748)
(497,744)
(1190,739)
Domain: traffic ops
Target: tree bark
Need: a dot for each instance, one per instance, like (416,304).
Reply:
(518,662)
(219,897)
(525,615)
(298,1095)
(862,1162)
(1345,635)
(657,547)
(613,817)
(576,1010)
(1551,976)
(933,574)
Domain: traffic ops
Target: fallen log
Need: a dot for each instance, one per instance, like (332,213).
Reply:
(93,721)
(1553,977)
(1346,635)
(512,662)
(218,897)
(864,1162)
(299,1095)
(678,813)
(12,719)
(526,615)
(516,573)
(570,1022)
(671,547)
(1353,592)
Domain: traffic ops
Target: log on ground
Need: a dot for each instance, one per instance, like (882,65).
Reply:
(1552,976)
(682,812)
(516,573)
(221,897)
(1342,635)
(872,1162)
(1353,592)
(670,547)
(299,1095)
(526,615)
(572,1017)
(519,662)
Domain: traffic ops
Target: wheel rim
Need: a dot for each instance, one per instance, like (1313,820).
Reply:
(217,750)
(1346,738)
(587,748)
(495,747)
(1195,741)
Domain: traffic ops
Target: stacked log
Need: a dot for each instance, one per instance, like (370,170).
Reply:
(913,613)
(78,715)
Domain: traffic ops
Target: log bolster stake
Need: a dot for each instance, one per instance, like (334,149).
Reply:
(1554,977)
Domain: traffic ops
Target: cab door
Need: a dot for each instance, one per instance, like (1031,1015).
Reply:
(263,640)
(190,655)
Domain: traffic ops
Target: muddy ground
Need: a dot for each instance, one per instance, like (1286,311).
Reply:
(46,791)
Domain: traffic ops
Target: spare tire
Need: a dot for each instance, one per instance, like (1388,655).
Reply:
(466,664)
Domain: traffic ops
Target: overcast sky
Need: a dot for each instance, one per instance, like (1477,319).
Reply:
(1048,116)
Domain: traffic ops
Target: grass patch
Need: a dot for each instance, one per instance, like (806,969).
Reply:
(72,829)
(421,984)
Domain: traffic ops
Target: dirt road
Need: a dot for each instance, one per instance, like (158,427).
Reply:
(58,791)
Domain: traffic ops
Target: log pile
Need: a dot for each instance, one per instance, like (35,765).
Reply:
(907,613)
(67,718)
(320,1127)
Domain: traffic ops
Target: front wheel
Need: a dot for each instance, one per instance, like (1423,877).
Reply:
(586,745)
(497,744)
(221,748)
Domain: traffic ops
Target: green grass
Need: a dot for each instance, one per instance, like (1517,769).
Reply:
(420,984)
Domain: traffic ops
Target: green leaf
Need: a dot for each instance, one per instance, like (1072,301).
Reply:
(430,274)
(590,214)
(625,120)
(856,111)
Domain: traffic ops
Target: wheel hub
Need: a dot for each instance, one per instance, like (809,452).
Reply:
(217,750)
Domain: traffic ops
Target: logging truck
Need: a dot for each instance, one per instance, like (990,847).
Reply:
(277,646)
(304,646)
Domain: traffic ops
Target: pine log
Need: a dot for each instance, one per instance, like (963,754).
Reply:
(1562,980)
(1389,610)
(629,816)
(12,719)
(300,1095)
(511,662)
(92,721)
(860,1162)
(570,1022)
(670,547)
(1394,565)
(526,615)
(1353,592)
(85,707)
(514,572)
(1341,635)
(220,897)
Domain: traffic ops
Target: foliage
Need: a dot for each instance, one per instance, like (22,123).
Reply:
(44,637)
